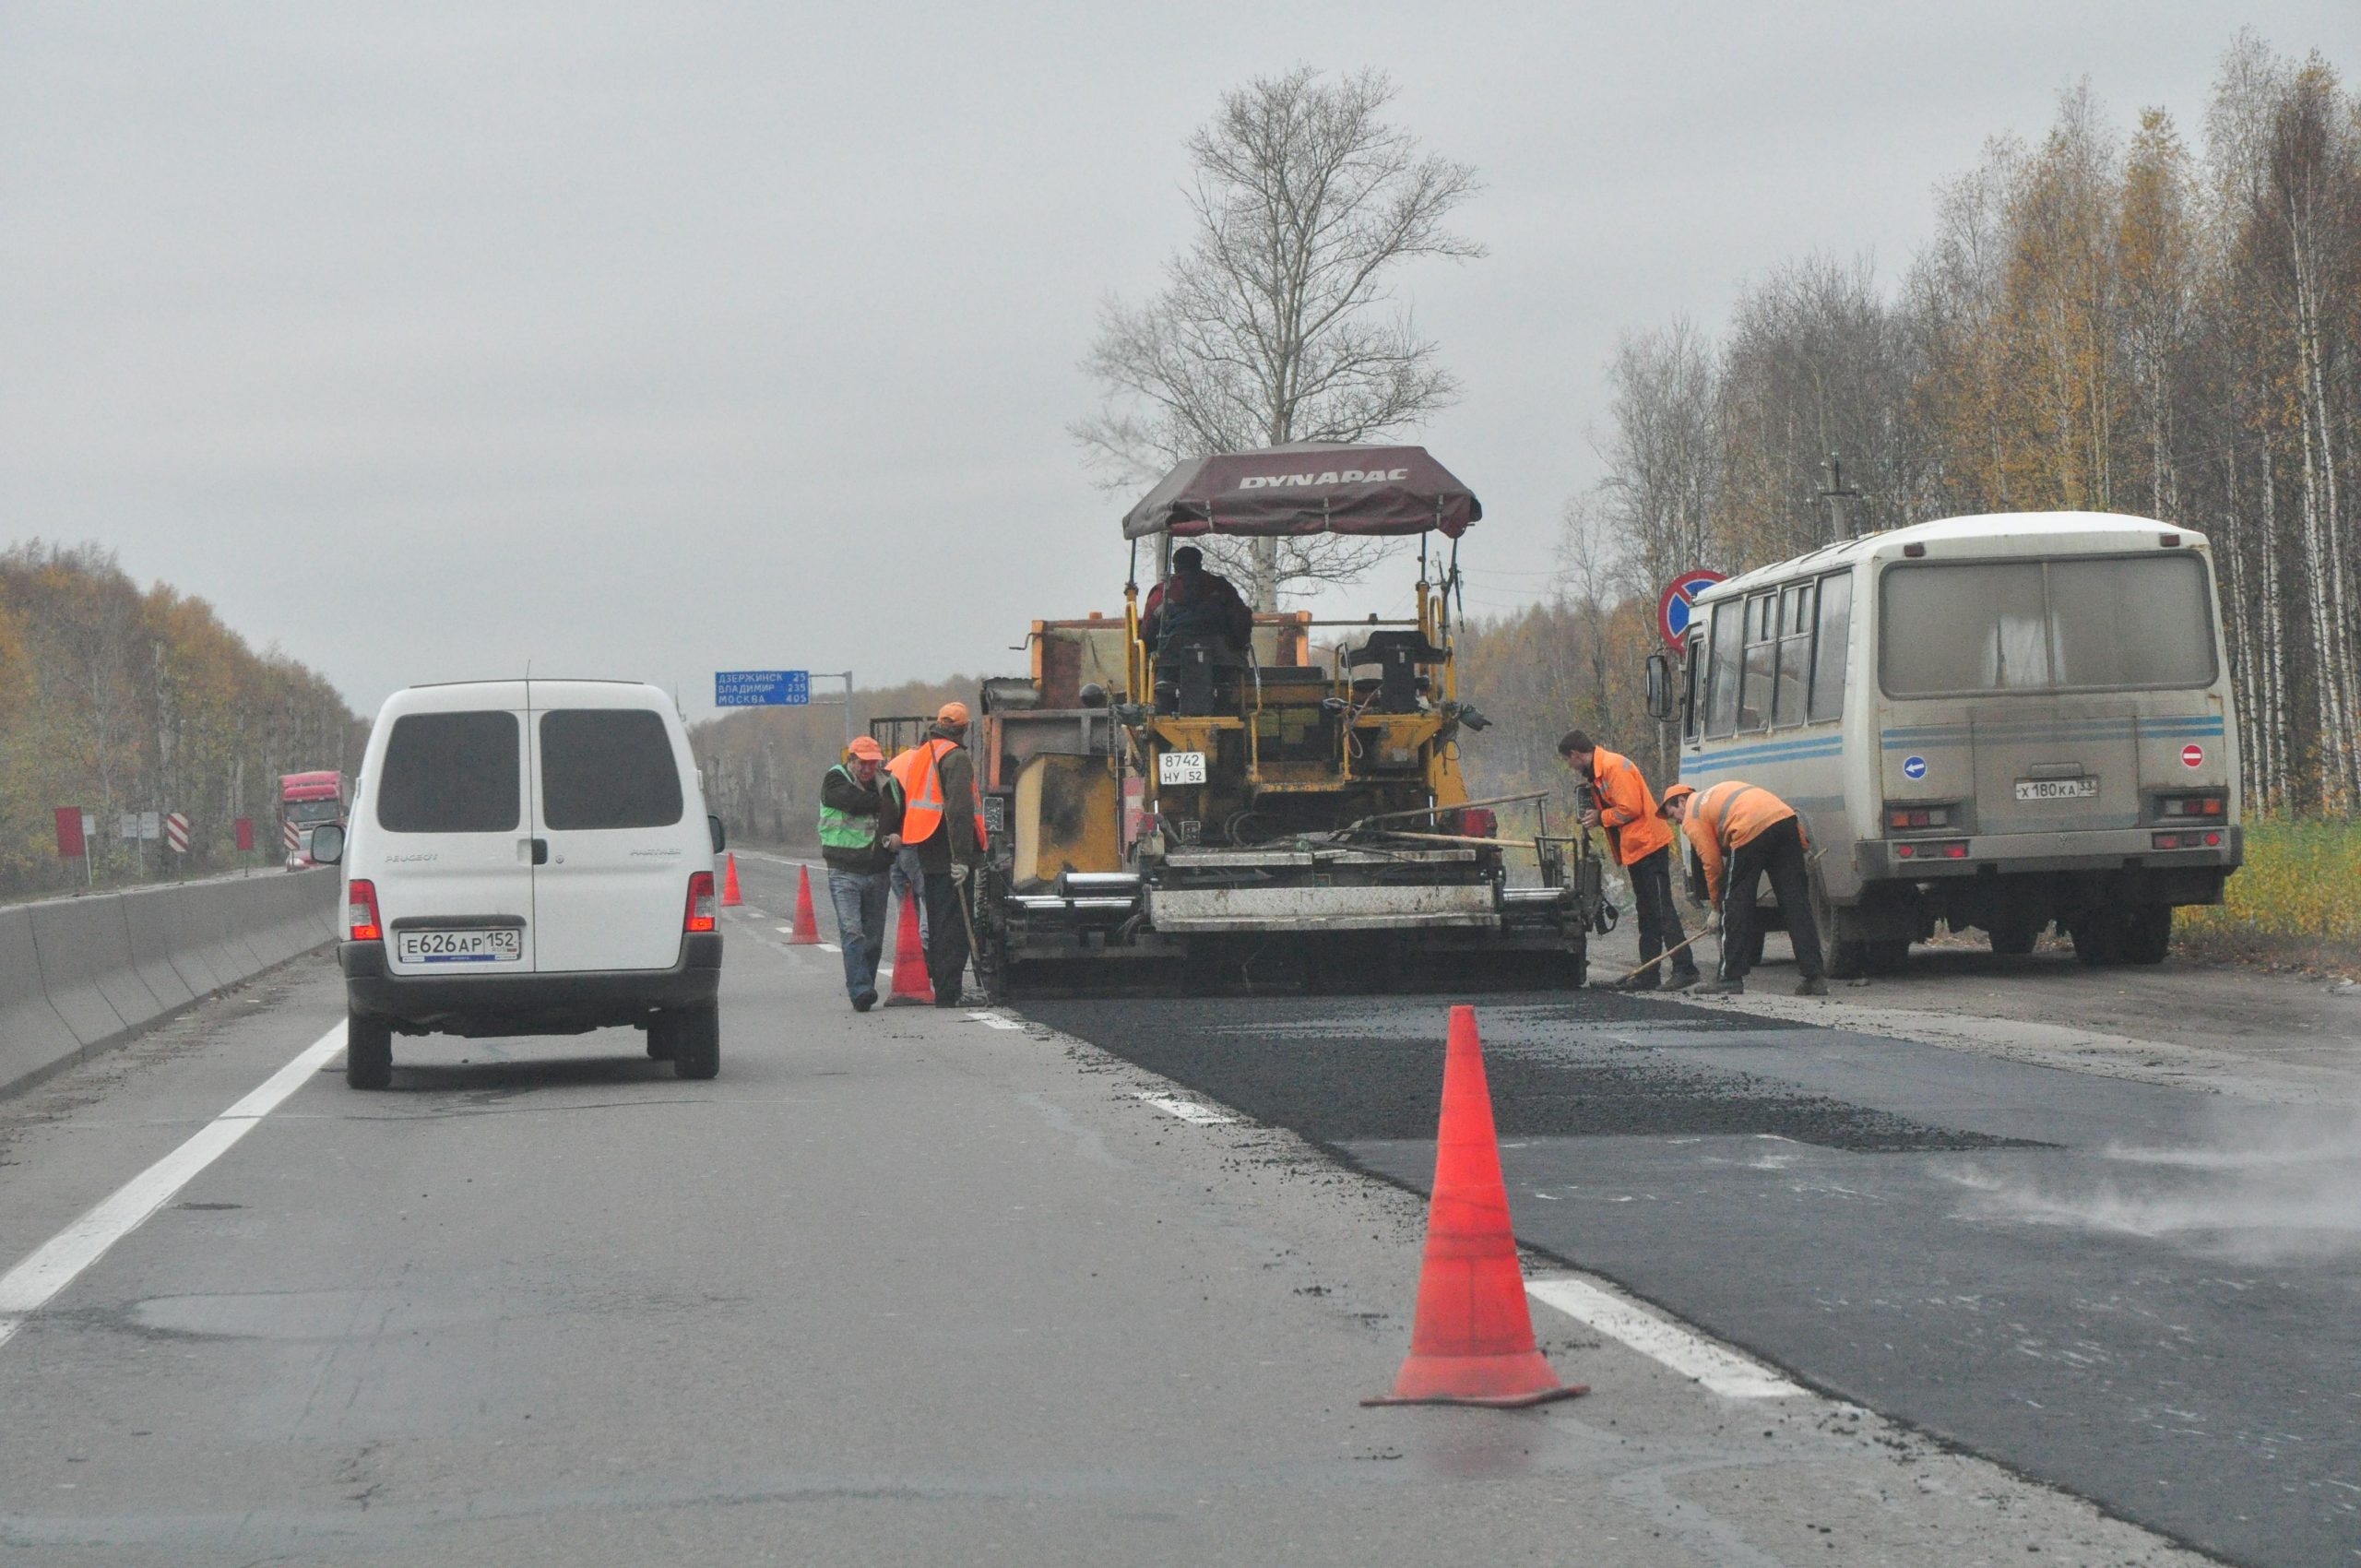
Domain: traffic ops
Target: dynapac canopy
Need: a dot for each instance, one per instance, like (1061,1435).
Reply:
(1312,487)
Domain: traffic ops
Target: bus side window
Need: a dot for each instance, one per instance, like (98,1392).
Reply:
(1722,670)
(1796,620)
(1762,641)
(1829,660)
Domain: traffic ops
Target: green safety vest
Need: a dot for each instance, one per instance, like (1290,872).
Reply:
(842,830)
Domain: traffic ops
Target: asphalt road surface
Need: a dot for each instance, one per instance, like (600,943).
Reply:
(949,1286)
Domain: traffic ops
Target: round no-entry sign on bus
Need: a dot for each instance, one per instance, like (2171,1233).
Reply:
(1672,609)
(2192,756)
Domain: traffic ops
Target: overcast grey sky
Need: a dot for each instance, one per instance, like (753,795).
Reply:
(648,341)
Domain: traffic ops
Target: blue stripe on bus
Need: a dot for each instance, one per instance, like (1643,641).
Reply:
(1775,751)
(1941,737)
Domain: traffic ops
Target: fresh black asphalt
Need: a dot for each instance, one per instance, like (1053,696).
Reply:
(2130,1292)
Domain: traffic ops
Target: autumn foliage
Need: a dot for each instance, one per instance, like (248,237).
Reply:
(117,700)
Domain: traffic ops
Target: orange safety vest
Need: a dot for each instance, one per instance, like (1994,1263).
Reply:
(1730,813)
(1626,809)
(920,772)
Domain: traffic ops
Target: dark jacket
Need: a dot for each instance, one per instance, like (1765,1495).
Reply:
(1195,606)
(955,840)
(881,799)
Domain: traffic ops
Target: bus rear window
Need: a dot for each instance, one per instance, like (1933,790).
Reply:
(450,773)
(2078,623)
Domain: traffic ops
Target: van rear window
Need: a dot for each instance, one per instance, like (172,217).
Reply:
(450,773)
(608,768)
(2070,624)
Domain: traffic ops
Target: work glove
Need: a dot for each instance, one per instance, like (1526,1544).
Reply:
(958,874)
(1714,922)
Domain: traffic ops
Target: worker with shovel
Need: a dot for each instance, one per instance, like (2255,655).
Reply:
(1748,831)
(1619,801)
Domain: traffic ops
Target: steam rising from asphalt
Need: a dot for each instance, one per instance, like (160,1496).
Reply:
(2263,1185)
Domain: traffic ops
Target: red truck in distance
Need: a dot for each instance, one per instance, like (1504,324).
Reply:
(306,801)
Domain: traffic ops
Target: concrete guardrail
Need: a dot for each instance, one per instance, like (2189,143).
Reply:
(78,976)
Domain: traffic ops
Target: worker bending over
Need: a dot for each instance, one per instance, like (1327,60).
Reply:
(1621,803)
(1741,831)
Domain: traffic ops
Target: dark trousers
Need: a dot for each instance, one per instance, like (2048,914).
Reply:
(946,937)
(1779,850)
(1651,877)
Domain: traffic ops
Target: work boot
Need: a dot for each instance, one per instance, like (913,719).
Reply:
(1684,978)
(1719,988)
(1630,982)
(865,1002)
(1811,985)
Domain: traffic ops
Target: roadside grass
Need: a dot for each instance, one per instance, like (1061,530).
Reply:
(2296,904)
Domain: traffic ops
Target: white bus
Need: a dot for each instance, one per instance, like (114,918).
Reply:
(2000,722)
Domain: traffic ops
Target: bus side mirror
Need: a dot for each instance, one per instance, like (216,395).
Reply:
(1659,685)
(328,844)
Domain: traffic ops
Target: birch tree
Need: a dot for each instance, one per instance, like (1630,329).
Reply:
(1279,320)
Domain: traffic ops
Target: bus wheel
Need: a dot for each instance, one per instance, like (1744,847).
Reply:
(1847,958)
(2014,935)
(2098,937)
(1888,957)
(2147,933)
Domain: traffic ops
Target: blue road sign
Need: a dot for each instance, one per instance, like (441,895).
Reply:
(1674,605)
(1913,768)
(762,688)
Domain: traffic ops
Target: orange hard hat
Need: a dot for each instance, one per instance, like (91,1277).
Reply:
(1672,794)
(952,713)
(866,748)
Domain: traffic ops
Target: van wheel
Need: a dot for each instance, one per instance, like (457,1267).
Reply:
(2146,935)
(368,1051)
(695,1040)
(1888,957)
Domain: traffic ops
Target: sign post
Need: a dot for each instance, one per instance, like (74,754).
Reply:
(1674,605)
(762,688)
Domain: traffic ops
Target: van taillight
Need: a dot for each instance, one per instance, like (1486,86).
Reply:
(1908,817)
(360,912)
(699,916)
(2192,805)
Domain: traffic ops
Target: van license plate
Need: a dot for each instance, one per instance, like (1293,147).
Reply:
(1181,768)
(499,945)
(2058,789)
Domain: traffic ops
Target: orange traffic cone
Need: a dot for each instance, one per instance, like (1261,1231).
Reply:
(730,897)
(1471,1342)
(912,985)
(807,924)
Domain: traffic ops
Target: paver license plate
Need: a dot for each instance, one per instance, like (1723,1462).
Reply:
(2058,789)
(497,944)
(1181,768)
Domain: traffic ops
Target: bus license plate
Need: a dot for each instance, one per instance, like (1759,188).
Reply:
(1181,768)
(499,945)
(2058,789)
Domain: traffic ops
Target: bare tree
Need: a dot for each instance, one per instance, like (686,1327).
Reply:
(1279,322)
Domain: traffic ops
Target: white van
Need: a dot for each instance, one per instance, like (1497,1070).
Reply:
(529,857)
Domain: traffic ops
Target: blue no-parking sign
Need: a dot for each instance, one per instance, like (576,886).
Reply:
(762,688)
(1680,596)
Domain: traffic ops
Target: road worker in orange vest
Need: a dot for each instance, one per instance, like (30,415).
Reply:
(1741,831)
(1621,803)
(940,819)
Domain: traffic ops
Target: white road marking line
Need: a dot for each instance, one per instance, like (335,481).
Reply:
(1723,1371)
(995,1020)
(55,1264)
(830,948)
(1188,1110)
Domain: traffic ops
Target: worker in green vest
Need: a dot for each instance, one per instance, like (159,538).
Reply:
(861,829)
